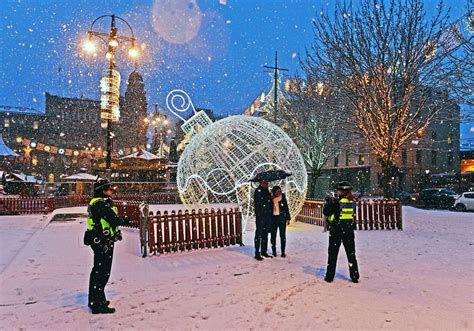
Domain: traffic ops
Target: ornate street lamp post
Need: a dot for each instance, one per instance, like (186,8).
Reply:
(110,82)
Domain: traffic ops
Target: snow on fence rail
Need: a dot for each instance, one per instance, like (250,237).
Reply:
(184,231)
(369,215)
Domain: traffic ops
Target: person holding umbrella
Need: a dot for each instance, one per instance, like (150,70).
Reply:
(281,217)
(263,218)
(340,213)
(263,206)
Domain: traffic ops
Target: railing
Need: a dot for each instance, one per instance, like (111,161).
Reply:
(312,213)
(377,214)
(151,199)
(184,231)
(24,205)
(132,209)
(17,206)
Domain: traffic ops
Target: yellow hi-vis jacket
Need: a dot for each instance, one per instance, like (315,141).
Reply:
(346,210)
(107,229)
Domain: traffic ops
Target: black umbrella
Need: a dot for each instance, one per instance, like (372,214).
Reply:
(271,175)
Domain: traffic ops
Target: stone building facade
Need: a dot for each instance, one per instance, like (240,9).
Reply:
(433,151)
(71,124)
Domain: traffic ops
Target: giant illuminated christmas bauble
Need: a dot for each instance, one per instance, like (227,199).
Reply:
(221,158)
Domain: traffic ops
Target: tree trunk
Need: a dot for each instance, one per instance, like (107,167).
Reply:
(315,174)
(388,172)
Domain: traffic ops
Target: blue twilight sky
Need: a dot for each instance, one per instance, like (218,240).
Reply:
(217,57)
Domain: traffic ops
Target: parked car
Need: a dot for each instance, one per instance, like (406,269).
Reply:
(405,197)
(464,202)
(437,198)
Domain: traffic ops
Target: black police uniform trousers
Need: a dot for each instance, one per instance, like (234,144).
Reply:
(103,254)
(279,224)
(341,232)
(262,229)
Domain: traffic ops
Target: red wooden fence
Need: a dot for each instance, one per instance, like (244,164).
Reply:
(130,209)
(376,214)
(40,205)
(183,231)
(312,212)
(18,206)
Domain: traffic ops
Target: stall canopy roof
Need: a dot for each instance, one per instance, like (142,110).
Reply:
(5,150)
(14,177)
(144,155)
(81,176)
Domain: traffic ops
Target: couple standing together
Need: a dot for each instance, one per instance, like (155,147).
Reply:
(271,215)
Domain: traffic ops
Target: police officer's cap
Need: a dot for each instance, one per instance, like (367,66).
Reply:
(344,186)
(102,184)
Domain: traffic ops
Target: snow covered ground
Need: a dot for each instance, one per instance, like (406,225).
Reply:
(418,278)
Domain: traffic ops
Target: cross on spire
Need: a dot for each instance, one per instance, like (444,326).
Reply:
(275,69)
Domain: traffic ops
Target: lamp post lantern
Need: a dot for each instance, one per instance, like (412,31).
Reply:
(110,82)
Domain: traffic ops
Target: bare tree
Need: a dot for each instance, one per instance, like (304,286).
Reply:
(310,121)
(389,63)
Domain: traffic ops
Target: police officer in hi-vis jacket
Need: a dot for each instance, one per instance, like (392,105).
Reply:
(340,213)
(101,234)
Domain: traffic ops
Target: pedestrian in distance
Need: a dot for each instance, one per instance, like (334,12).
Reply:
(340,213)
(263,219)
(281,218)
(101,234)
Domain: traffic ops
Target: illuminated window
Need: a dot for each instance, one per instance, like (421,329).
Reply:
(348,159)
(450,140)
(6,123)
(361,159)
(35,125)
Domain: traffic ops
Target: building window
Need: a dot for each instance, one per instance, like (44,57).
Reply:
(348,159)
(336,138)
(434,135)
(450,139)
(336,161)
(450,158)
(434,154)
(404,156)
(35,125)
(418,156)
(6,123)
(361,159)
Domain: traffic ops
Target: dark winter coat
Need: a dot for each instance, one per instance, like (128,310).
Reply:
(263,205)
(331,207)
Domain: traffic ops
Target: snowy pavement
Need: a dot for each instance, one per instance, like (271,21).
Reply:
(418,278)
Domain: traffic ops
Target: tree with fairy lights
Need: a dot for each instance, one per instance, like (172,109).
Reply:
(388,62)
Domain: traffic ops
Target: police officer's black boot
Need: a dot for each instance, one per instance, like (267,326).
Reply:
(274,251)
(102,310)
(354,271)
